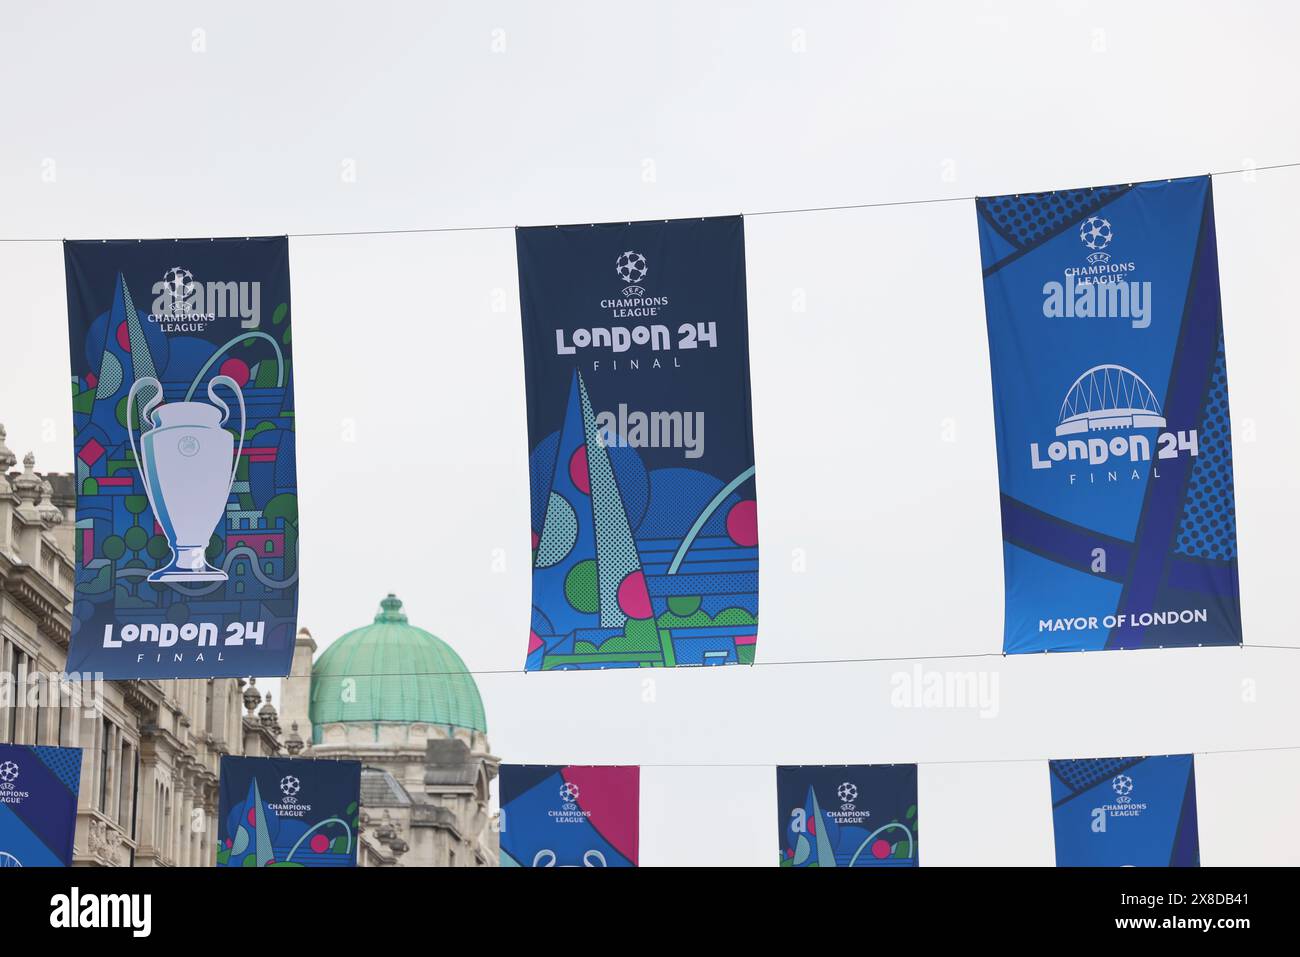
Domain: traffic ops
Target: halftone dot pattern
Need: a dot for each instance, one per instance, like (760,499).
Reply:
(1081,774)
(614,542)
(1032,217)
(64,762)
(110,376)
(141,358)
(1209,525)
(707,584)
(559,532)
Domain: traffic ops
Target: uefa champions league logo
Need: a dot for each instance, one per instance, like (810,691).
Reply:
(183,304)
(178,290)
(632,268)
(9,794)
(1123,785)
(289,787)
(569,812)
(848,793)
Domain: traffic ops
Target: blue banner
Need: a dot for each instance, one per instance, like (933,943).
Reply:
(852,815)
(187,488)
(644,519)
(1125,812)
(557,816)
(286,812)
(1111,406)
(38,805)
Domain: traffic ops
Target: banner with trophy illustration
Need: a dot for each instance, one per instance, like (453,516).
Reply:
(38,805)
(644,518)
(851,815)
(288,812)
(187,488)
(570,816)
(1125,812)
(1111,408)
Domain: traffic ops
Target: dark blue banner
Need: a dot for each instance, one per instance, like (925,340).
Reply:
(556,816)
(644,519)
(851,815)
(187,486)
(283,812)
(38,805)
(1125,812)
(1111,404)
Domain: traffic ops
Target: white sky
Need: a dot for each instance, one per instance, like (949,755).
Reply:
(412,441)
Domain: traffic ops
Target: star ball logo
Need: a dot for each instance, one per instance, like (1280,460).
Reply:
(1096,234)
(569,792)
(289,787)
(632,268)
(1123,785)
(848,793)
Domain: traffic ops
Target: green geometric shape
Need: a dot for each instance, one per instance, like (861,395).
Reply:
(684,605)
(136,538)
(113,547)
(580,587)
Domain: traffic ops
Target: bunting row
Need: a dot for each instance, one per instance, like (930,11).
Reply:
(1110,403)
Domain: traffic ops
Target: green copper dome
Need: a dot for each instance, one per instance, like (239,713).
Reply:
(392,671)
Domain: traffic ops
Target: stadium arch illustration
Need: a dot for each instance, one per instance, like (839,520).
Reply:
(1109,397)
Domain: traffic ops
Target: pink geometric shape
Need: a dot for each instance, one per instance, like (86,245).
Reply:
(237,369)
(123,336)
(534,642)
(746,639)
(612,796)
(881,849)
(319,842)
(634,596)
(578,470)
(742,523)
(91,452)
(92,380)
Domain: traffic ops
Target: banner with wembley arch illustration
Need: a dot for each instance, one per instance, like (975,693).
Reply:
(644,516)
(852,815)
(288,812)
(183,432)
(1111,409)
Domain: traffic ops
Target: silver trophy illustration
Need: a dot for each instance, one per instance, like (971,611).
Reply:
(186,463)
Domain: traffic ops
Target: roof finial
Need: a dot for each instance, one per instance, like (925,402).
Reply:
(391,610)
